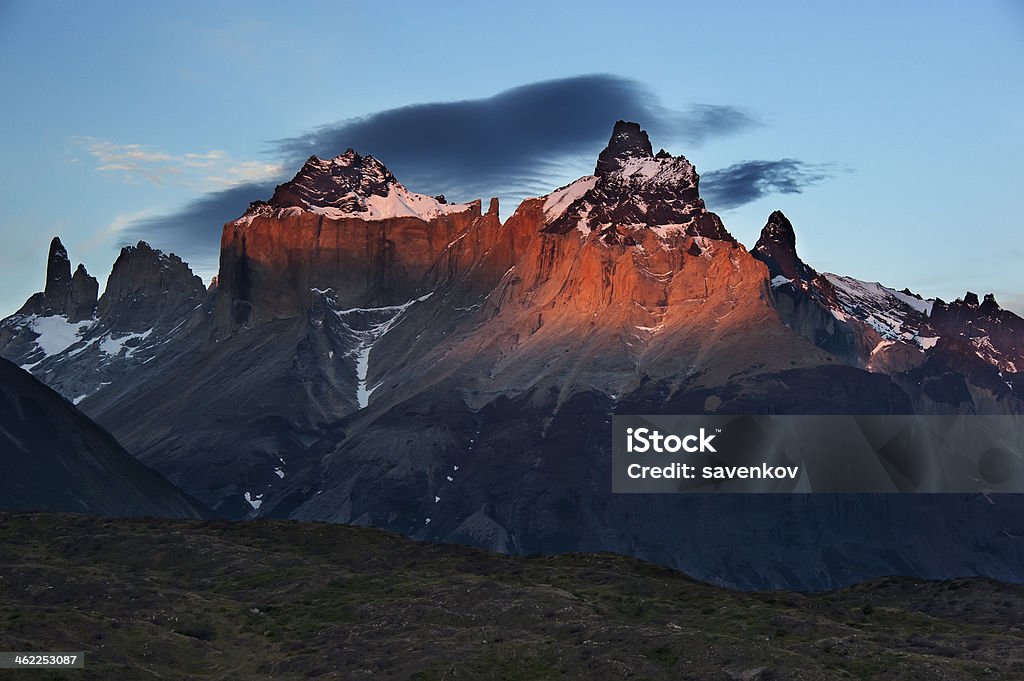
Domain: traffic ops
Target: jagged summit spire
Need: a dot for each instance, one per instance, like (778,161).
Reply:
(632,188)
(71,296)
(628,140)
(337,182)
(57,248)
(145,276)
(777,233)
(990,303)
(776,248)
(58,274)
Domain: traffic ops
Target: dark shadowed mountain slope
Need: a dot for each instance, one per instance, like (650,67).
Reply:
(55,459)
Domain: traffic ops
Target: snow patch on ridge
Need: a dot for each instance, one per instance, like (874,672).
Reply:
(984,349)
(922,306)
(399,203)
(558,201)
(55,333)
(113,346)
(638,188)
(673,229)
(894,315)
(383,320)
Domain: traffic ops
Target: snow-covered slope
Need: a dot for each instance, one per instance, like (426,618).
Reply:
(895,315)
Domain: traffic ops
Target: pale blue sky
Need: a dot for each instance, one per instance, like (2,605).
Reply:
(913,111)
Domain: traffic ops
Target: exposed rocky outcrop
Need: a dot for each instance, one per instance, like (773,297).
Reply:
(344,224)
(804,298)
(145,283)
(776,248)
(978,355)
(632,187)
(84,295)
(79,345)
(65,295)
(57,293)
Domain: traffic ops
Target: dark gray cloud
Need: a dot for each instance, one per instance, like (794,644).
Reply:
(521,142)
(508,144)
(704,121)
(194,231)
(750,180)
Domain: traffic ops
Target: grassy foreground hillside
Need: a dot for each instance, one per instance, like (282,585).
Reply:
(160,599)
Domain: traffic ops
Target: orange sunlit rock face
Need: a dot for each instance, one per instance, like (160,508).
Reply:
(616,278)
(269,265)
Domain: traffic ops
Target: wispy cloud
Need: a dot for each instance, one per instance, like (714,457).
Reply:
(136,163)
(748,181)
(702,122)
(193,231)
(115,229)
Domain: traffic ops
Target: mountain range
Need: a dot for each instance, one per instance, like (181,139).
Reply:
(374,356)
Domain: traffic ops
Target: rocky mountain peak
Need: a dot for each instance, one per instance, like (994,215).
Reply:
(982,329)
(143,272)
(628,141)
(84,292)
(346,186)
(977,308)
(58,275)
(57,249)
(69,296)
(777,232)
(776,247)
(339,182)
(633,188)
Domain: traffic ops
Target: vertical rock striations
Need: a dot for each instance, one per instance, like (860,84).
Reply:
(344,224)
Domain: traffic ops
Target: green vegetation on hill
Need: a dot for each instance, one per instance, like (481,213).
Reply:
(161,599)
